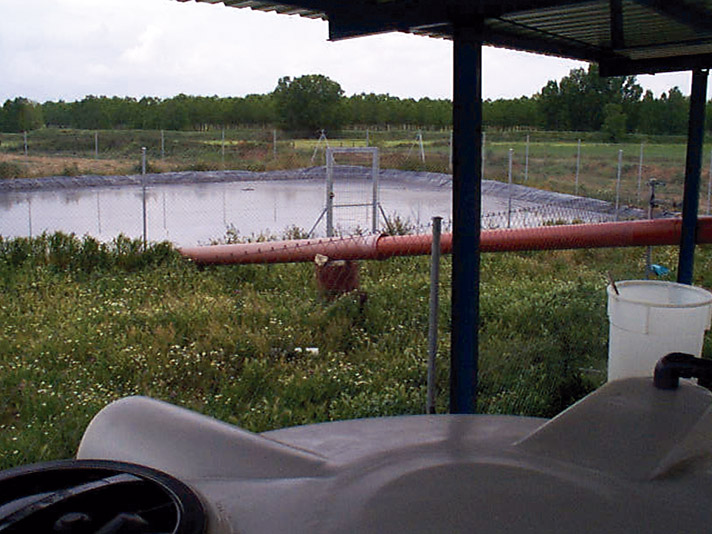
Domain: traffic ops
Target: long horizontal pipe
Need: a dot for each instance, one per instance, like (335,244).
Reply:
(601,235)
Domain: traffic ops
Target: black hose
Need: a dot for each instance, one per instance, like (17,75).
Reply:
(676,365)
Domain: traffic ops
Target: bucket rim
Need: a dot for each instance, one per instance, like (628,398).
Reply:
(702,292)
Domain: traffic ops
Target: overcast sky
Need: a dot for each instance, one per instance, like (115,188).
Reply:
(66,49)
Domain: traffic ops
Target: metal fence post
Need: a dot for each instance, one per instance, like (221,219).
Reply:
(484,153)
(29,215)
(222,149)
(434,309)
(640,170)
(526,160)
(24,136)
(651,206)
(509,189)
(578,167)
(375,179)
(143,195)
(98,213)
(450,159)
(618,182)
(329,194)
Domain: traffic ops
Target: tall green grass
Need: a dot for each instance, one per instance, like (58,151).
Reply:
(85,323)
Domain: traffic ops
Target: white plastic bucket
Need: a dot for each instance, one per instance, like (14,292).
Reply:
(650,319)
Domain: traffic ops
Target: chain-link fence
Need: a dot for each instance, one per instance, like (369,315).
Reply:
(206,186)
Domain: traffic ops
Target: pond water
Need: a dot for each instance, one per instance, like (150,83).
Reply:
(191,214)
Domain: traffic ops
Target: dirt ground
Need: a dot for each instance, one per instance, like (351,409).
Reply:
(40,166)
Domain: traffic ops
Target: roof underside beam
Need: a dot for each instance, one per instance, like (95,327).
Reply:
(364,17)
(617,39)
(624,67)
(533,26)
(560,47)
(681,13)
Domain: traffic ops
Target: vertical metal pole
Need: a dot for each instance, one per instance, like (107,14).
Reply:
(649,249)
(578,166)
(526,161)
(483,153)
(222,149)
(375,177)
(434,308)
(98,214)
(96,145)
(466,200)
(224,206)
(24,135)
(422,149)
(143,196)
(509,189)
(29,215)
(640,171)
(450,160)
(709,185)
(693,164)
(329,193)
(618,182)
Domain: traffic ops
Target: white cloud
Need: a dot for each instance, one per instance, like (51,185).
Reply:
(51,49)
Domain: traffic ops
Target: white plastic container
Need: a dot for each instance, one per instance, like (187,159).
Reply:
(650,319)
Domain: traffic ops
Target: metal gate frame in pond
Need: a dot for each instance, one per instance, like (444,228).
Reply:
(331,204)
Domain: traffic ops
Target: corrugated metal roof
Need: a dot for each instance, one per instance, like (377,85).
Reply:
(624,36)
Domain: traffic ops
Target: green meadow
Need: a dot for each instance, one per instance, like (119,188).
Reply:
(85,323)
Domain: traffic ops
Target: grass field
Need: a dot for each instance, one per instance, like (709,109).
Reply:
(552,157)
(85,323)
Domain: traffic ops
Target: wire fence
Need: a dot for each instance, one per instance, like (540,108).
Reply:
(203,186)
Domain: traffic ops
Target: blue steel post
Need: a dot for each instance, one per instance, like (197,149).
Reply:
(466,198)
(693,164)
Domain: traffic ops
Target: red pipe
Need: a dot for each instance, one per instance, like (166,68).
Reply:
(292,251)
(601,235)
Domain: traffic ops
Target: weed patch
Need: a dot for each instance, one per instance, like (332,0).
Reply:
(85,323)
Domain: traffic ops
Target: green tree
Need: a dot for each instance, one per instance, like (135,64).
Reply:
(555,116)
(92,113)
(674,110)
(578,101)
(509,113)
(614,122)
(308,103)
(21,115)
(57,114)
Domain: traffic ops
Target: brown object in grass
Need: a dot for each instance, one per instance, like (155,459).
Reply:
(335,277)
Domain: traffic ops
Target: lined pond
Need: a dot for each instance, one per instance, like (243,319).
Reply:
(188,213)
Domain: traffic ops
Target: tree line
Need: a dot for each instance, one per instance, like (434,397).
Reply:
(581,101)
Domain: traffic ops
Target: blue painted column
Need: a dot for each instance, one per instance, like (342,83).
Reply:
(693,164)
(466,200)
